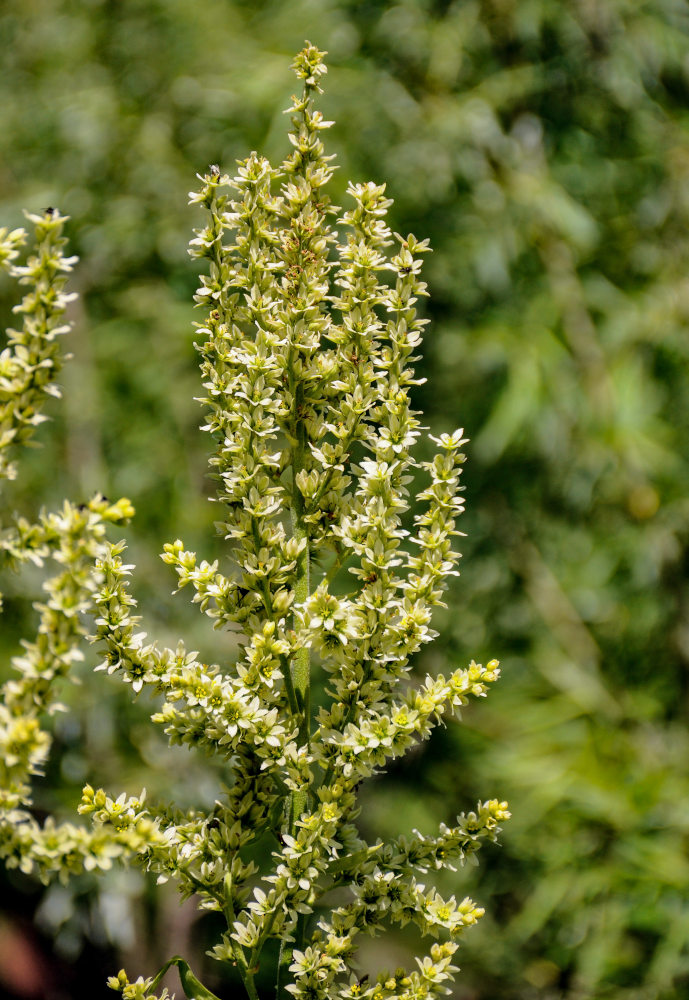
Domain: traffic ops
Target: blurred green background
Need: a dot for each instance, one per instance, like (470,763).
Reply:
(543,146)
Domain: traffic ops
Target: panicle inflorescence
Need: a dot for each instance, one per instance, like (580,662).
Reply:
(308,341)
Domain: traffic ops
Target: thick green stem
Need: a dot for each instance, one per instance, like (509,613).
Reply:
(301,674)
(301,671)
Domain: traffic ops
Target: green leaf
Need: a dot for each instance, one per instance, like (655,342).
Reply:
(193,989)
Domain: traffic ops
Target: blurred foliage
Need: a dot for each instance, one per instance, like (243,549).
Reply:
(543,146)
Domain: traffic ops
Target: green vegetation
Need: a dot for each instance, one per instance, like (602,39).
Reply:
(543,148)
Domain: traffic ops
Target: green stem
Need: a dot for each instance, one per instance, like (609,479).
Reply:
(267,597)
(251,988)
(301,672)
(301,669)
(245,970)
(289,686)
(265,934)
(286,958)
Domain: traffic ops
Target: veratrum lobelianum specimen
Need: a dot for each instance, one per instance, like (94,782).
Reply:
(307,357)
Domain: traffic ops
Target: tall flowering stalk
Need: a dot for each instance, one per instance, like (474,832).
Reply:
(71,540)
(307,358)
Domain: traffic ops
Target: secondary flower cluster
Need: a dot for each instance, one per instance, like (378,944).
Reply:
(73,539)
(307,347)
(31,360)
